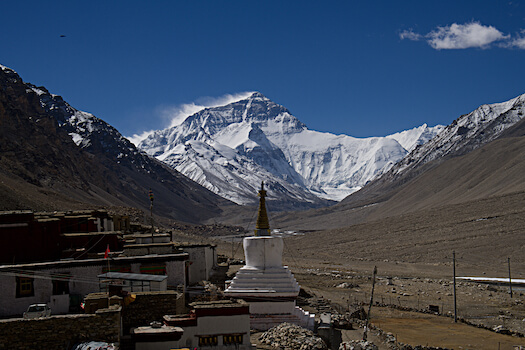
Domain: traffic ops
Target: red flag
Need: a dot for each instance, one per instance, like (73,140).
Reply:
(107,252)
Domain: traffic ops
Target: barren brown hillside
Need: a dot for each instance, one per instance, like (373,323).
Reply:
(483,233)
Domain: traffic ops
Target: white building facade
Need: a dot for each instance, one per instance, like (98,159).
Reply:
(216,325)
(63,284)
(201,262)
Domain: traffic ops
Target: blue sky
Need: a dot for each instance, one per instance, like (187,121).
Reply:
(362,68)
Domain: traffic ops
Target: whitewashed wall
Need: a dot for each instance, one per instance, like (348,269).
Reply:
(83,280)
(203,259)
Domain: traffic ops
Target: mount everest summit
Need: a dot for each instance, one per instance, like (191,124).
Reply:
(230,149)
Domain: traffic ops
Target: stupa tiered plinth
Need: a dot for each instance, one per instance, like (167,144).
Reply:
(268,286)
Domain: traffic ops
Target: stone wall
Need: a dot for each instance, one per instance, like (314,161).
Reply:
(151,306)
(60,332)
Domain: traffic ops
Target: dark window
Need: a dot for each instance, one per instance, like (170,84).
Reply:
(116,269)
(24,287)
(231,339)
(60,287)
(153,269)
(210,340)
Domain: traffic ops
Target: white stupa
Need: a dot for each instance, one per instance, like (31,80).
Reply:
(268,286)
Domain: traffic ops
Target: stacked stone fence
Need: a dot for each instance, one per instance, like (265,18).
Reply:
(60,332)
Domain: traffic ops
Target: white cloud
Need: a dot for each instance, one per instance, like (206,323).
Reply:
(224,100)
(464,36)
(136,138)
(177,114)
(410,35)
(518,42)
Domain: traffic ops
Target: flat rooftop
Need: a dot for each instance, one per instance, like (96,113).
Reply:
(133,276)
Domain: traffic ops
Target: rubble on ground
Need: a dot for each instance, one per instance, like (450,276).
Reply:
(357,345)
(347,285)
(292,337)
(342,321)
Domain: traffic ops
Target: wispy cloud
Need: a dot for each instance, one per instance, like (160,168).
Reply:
(175,115)
(519,41)
(464,36)
(410,35)
(136,138)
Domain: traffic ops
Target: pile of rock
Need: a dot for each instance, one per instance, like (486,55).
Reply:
(342,321)
(293,337)
(347,285)
(357,312)
(502,330)
(357,345)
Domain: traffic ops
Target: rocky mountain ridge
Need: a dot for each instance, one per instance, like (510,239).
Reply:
(464,135)
(55,157)
(467,133)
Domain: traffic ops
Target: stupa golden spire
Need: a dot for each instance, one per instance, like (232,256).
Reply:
(262,226)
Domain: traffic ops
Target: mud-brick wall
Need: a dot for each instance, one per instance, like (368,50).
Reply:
(60,332)
(151,306)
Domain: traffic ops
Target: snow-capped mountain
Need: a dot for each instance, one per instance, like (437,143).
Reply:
(465,134)
(230,149)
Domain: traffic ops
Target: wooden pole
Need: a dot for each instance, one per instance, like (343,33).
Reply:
(371,302)
(107,279)
(454,270)
(510,280)
(151,216)
(151,213)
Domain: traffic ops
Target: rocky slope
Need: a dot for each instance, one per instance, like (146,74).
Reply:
(466,133)
(56,157)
